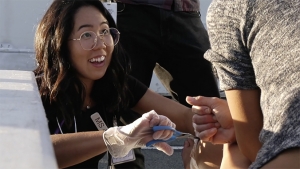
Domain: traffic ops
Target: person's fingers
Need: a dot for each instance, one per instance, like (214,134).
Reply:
(186,144)
(164,147)
(173,125)
(186,152)
(201,110)
(217,124)
(203,127)
(162,134)
(200,101)
(153,118)
(187,148)
(206,135)
(224,136)
(149,114)
(190,141)
(203,119)
(164,121)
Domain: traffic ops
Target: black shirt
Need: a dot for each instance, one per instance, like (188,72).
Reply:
(85,123)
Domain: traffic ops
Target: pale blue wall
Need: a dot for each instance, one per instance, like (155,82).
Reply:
(203,9)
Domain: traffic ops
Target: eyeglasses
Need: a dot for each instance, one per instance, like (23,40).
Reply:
(88,40)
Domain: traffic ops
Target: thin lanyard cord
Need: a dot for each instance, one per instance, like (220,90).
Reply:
(75,125)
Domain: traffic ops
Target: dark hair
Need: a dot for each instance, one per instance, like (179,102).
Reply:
(60,89)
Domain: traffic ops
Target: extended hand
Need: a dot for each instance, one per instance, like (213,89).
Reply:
(120,140)
(206,109)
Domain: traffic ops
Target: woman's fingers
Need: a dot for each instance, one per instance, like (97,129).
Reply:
(164,147)
(164,134)
(153,118)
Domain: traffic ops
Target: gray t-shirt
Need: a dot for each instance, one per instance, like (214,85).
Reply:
(256,44)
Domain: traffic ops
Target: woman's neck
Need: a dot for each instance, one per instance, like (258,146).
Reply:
(88,101)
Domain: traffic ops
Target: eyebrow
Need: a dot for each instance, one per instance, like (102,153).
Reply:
(88,25)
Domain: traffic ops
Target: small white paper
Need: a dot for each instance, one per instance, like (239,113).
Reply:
(129,157)
(112,9)
(98,121)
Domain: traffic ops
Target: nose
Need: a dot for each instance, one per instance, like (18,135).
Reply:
(99,43)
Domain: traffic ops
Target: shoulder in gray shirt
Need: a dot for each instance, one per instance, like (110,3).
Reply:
(256,44)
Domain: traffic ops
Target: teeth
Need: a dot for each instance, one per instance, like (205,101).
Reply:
(102,58)
(97,59)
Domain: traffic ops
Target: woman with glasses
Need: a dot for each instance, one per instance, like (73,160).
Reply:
(85,88)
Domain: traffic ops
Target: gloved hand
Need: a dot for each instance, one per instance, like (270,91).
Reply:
(120,140)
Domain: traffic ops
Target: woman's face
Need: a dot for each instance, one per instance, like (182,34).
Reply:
(89,64)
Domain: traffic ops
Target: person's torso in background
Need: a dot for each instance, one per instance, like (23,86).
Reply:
(179,5)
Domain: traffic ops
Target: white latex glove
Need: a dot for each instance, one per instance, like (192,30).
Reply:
(120,140)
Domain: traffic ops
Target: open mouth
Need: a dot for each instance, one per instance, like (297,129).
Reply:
(97,60)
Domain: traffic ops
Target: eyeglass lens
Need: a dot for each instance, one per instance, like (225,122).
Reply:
(89,39)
